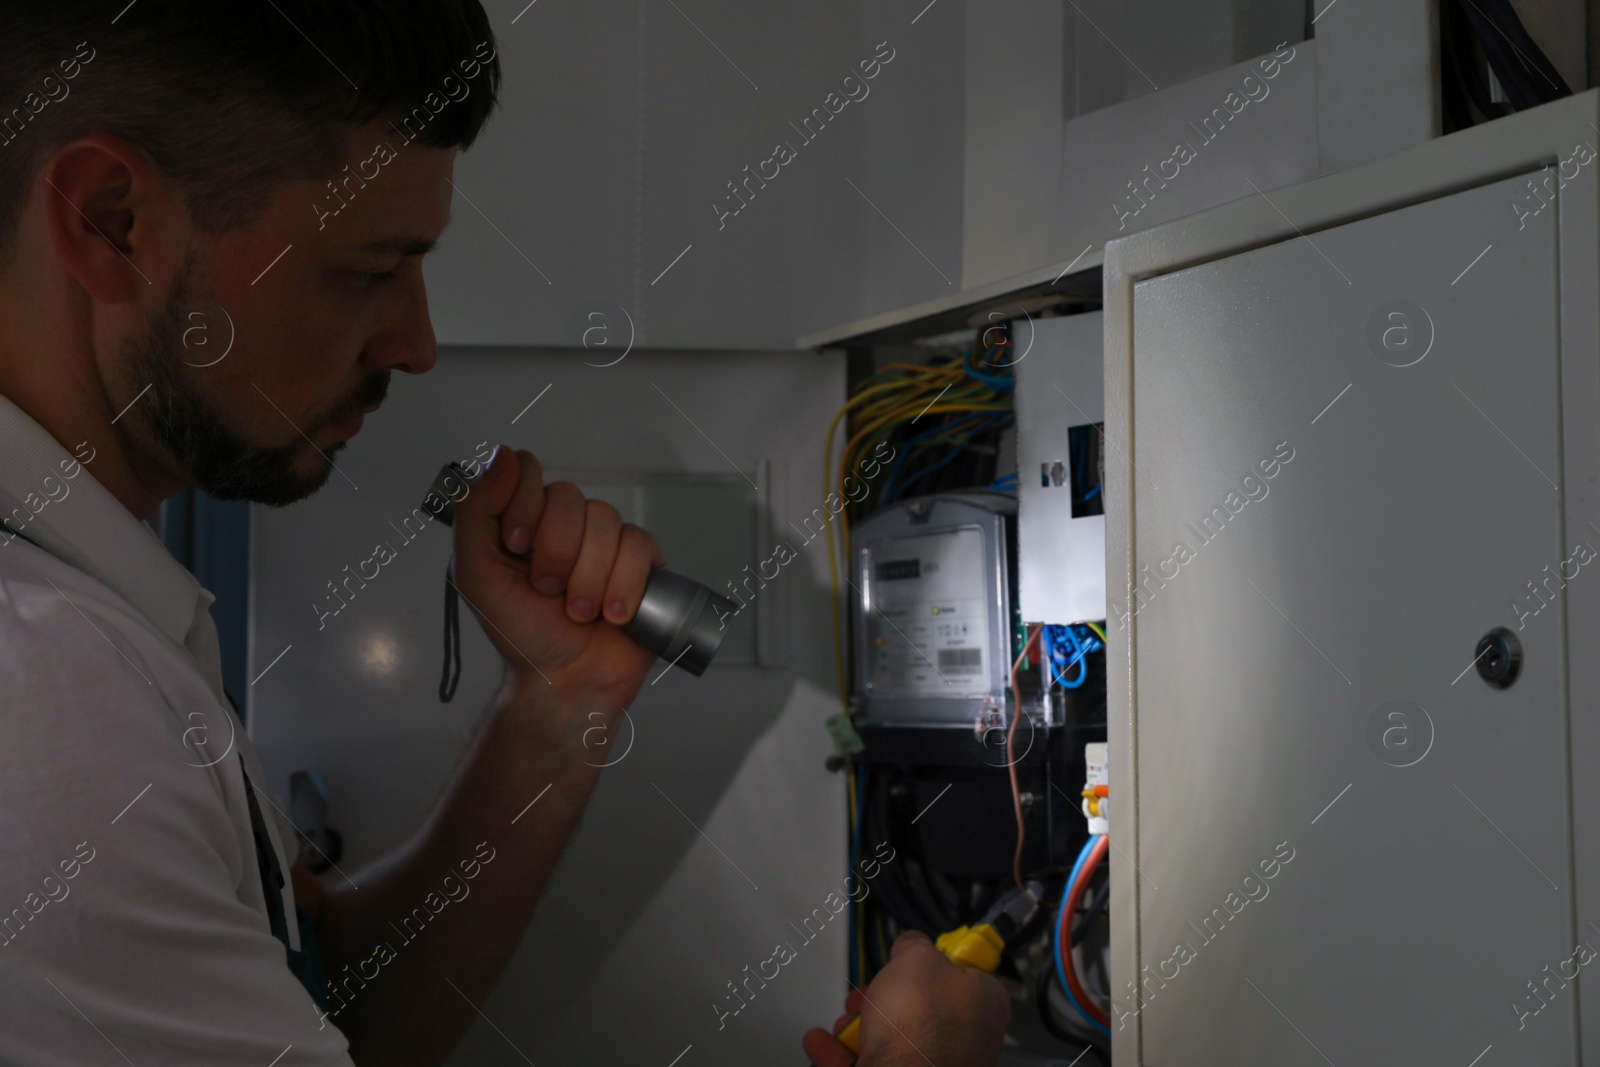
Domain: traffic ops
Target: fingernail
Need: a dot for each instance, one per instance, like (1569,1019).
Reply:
(617,610)
(497,458)
(583,609)
(549,585)
(518,539)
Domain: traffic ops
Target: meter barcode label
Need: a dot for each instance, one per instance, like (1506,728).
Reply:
(961,660)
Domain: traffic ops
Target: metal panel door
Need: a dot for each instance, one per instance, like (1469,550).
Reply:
(1352,849)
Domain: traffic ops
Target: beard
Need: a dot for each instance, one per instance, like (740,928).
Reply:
(190,430)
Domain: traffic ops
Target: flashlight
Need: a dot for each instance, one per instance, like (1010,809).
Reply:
(678,618)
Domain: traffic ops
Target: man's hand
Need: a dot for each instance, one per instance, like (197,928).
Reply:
(920,1008)
(571,671)
(587,565)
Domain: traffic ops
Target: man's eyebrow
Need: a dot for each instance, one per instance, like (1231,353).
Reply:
(401,246)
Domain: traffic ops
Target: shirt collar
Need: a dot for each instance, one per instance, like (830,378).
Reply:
(88,527)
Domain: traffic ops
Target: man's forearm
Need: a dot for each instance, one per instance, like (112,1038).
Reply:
(442,927)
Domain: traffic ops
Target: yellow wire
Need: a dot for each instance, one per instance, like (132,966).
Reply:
(903,414)
(861,395)
(908,392)
(920,394)
(854,447)
(907,407)
(915,409)
(1101,634)
(895,386)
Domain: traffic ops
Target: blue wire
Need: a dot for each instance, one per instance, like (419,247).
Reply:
(1077,866)
(1090,495)
(1081,657)
(889,487)
(1071,644)
(1005,481)
(998,384)
(1061,973)
(955,450)
(855,851)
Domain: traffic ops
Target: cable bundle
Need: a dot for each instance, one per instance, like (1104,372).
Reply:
(1066,649)
(1478,32)
(1094,851)
(932,415)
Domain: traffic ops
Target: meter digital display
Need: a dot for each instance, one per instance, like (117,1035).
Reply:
(896,569)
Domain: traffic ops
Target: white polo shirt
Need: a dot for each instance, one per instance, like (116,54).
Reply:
(132,920)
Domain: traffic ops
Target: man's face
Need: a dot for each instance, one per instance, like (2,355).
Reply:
(277,335)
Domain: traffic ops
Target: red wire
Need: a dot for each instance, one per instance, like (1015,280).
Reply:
(1011,763)
(1064,929)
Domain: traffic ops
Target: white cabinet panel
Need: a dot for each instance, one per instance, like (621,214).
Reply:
(1357,427)
(1301,579)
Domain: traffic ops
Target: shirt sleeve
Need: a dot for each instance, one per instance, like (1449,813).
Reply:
(124,934)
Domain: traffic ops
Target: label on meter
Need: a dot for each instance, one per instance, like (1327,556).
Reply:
(927,617)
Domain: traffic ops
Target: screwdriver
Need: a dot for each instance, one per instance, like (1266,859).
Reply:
(979,945)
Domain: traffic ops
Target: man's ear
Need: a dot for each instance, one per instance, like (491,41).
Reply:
(110,217)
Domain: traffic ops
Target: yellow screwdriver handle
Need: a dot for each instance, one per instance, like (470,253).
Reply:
(974,946)
(850,1036)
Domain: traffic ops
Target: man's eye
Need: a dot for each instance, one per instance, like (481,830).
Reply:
(366,279)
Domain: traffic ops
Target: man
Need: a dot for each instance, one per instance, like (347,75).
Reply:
(212,217)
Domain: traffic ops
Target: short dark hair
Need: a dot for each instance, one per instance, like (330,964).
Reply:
(233,97)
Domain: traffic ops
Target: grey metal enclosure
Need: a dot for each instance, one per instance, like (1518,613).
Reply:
(1353,431)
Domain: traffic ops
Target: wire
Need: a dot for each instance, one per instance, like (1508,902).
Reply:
(929,438)
(1011,764)
(1096,906)
(995,382)
(1523,70)
(1098,631)
(918,395)
(897,378)
(1532,58)
(919,882)
(1072,876)
(856,811)
(1062,642)
(1047,1016)
(882,955)
(1094,850)
(896,394)
(959,445)
(893,883)
(1079,654)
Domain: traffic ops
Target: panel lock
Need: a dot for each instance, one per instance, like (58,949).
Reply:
(1499,657)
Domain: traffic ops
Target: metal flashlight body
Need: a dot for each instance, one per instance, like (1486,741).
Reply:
(678,618)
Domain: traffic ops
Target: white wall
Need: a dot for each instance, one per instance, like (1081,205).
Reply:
(621,124)
(645,920)
(984,149)
(912,158)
